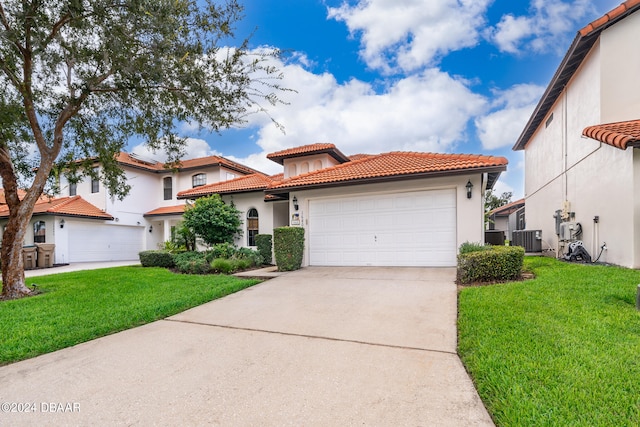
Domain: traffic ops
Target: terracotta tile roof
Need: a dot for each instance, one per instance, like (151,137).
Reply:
(3,201)
(580,47)
(254,182)
(358,156)
(277,177)
(167,210)
(392,165)
(608,17)
(507,209)
(139,162)
(308,150)
(64,206)
(619,135)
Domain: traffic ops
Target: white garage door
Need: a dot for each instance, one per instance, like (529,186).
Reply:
(101,242)
(403,229)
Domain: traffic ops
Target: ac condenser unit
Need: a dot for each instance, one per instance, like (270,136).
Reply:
(530,240)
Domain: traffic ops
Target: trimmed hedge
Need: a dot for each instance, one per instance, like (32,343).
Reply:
(192,263)
(288,245)
(494,264)
(156,259)
(264,242)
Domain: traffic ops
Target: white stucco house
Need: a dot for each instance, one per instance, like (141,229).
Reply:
(391,209)
(404,209)
(582,164)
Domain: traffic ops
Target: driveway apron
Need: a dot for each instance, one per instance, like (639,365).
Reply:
(316,347)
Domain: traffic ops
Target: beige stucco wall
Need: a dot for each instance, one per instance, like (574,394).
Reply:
(621,70)
(245,201)
(595,178)
(469,226)
(307,164)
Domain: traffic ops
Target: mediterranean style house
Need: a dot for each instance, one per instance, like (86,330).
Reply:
(398,208)
(582,163)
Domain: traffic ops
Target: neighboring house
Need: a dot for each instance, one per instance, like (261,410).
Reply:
(582,167)
(88,224)
(391,209)
(507,218)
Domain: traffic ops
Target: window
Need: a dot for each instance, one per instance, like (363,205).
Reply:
(95,182)
(252,226)
(73,188)
(198,180)
(39,232)
(168,188)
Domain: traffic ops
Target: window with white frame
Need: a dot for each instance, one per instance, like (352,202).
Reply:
(198,180)
(167,184)
(252,226)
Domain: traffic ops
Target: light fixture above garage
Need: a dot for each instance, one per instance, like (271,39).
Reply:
(62,223)
(295,203)
(469,188)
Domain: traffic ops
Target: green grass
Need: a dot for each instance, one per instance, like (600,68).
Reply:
(80,306)
(560,350)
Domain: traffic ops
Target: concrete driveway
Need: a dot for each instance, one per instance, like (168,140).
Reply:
(316,347)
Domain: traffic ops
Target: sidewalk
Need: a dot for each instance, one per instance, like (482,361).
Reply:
(77,266)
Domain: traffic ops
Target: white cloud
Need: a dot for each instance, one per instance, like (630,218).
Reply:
(547,21)
(194,148)
(511,110)
(411,34)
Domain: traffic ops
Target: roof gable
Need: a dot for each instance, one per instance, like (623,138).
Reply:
(308,150)
(74,206)
(254,182)
(132,160)
(580,47)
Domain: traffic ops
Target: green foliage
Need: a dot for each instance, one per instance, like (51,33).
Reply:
(221,250)
(84,305)
(222,265)
(253,257)
(213,220)
(494,264)
(183,237)
(156,259)
(288,244)
(172,247)
(467,247)
(559,350)
(264,242)
(192,263)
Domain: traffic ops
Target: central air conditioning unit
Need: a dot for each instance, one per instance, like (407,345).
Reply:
(530,240)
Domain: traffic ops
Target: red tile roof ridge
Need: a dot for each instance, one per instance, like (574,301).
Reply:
(608,17)
(229,185)
(302,149)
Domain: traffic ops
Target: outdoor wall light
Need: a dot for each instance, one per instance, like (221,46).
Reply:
(62,223)
(151,229)
(295,203)
(469,188)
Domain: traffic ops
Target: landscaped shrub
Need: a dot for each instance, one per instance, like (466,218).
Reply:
(468,247)
(493,264)
(253,257)
(222,265)
(288,245)
(192,263)
(156,259)
(264,242)
(221,250)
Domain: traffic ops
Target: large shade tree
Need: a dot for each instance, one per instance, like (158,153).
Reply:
(81,77)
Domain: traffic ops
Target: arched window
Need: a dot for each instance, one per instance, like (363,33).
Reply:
(304,168)
(167,184)
(317,165)
(39,232)
(293,171)
(252,226)
(198,180)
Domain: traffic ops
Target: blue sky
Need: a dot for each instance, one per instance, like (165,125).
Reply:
(458,76)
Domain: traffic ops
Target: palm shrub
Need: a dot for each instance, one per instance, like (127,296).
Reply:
(288,245)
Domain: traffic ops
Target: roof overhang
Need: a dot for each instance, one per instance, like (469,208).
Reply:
(492,171)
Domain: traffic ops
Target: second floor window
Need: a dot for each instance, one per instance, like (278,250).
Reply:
(95,182)
(73,189)
(168,188)
(198,180)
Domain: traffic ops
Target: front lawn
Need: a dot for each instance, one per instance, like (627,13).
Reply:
(560,350)
(80,306)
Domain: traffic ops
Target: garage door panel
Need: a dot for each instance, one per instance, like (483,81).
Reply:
(101,242)
(405,229)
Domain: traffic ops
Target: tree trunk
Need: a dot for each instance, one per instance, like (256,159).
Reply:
(13,285)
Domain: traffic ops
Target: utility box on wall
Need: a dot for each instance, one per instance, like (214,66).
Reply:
(530,240)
